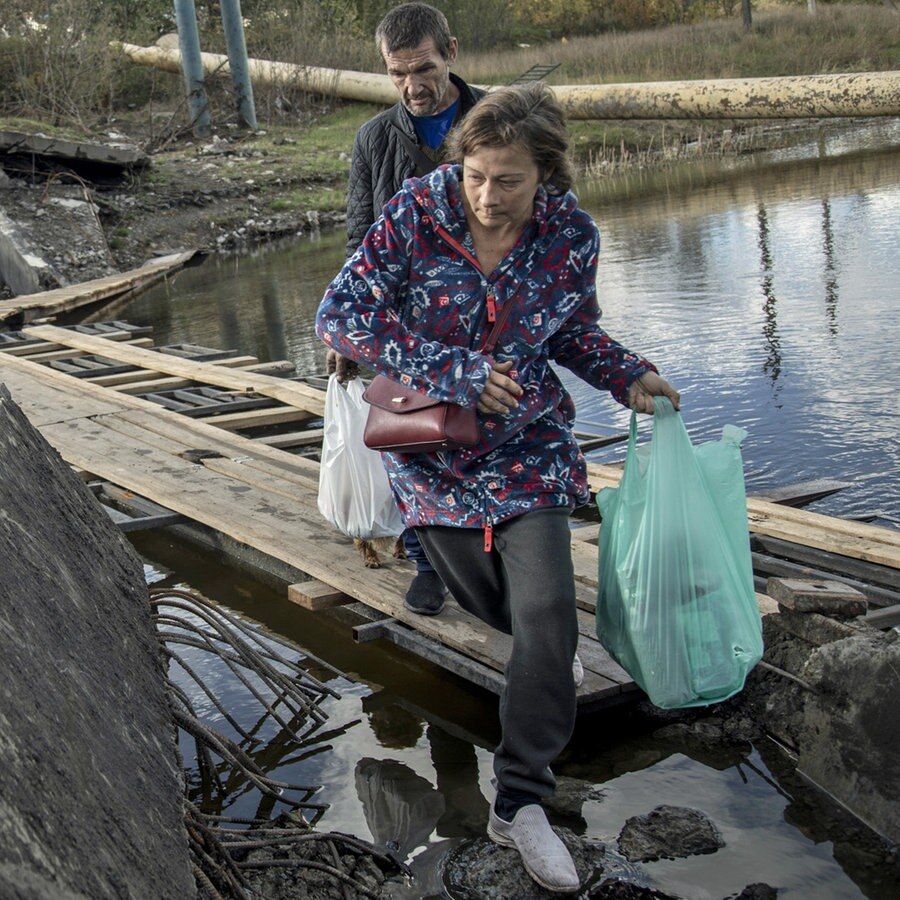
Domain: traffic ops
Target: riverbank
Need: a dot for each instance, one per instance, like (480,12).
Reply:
(238,189)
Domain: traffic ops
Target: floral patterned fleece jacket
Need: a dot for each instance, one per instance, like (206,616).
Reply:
(413,304)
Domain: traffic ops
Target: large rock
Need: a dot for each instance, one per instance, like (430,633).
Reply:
(90,789)
(850,726)
(835,704)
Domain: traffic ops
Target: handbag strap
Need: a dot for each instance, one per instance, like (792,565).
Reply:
(494,336)
(423,163)
(500,321)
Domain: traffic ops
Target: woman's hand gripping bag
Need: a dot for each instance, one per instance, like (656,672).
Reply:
(354,493)
(676,605)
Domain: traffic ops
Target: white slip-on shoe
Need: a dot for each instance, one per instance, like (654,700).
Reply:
(577,671)
(544,855)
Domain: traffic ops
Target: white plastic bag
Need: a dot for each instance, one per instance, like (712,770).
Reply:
(354,493)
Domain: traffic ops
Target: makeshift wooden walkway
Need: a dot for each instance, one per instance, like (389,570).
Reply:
(159,424)
(120,286)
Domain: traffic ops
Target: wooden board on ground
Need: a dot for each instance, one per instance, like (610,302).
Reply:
(293,393)
(29,307)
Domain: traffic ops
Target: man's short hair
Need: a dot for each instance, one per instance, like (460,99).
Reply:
(407,25)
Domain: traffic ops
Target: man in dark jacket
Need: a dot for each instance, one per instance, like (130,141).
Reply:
(418,50)
(406,140)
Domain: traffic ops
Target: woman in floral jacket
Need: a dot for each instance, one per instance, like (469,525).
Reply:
(414,303)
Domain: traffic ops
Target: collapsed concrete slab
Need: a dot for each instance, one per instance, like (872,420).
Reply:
(90,787)
(50,237)
(840,714)
(50,232)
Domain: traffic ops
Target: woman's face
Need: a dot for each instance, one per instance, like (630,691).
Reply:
(499,184)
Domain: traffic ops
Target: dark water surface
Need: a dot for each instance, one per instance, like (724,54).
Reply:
(771,296)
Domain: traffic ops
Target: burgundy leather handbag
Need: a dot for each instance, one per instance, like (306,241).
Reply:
(402,420)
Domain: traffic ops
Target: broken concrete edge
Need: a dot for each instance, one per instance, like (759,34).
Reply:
(91,790)
(116,153)
(22,267)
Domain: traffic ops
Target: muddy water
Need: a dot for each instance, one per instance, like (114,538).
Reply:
(769,294)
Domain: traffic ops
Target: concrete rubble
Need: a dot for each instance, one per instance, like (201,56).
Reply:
(90,787)
(50,230)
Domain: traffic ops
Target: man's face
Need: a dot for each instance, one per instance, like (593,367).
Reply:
(422,77)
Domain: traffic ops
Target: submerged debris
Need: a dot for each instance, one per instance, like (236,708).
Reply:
(272,857)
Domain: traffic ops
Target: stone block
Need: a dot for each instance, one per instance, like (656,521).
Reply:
(830,598)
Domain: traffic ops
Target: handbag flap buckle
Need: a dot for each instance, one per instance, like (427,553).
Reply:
(385,393)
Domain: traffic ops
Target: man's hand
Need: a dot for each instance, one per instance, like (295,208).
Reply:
(345,369)
(648,386)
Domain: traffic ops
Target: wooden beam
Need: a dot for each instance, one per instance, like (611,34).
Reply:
(293,393)
(315,595)
(29,307)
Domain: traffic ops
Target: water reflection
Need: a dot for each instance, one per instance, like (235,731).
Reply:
(772,364)
(831,282)
(405,760)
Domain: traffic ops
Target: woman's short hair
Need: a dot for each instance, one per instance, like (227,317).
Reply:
(407,25)
(529,116)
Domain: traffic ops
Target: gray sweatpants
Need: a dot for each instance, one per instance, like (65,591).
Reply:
(524,587)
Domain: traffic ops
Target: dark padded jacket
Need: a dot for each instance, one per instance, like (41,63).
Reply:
(381,162)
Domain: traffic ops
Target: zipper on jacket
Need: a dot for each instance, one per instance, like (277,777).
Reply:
(488,536)
(491,304)
(490,296)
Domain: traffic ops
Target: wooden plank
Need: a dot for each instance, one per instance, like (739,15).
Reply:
(195,434)
(765,566)
(843,536)
(828,561)
(34,349)
(293,393)
(256,473)
(310,438)
(28,307)
(889,617)
(143,381)
(260,418)
(46,396)
(315,595)
(136,375)
(63,353)
(802,493)
(438,654)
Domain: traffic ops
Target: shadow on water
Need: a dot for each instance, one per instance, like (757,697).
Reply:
(769,296)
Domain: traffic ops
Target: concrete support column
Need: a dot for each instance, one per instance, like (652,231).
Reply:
(192,66)
(233,25)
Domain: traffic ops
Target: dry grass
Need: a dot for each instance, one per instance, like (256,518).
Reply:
(783,41)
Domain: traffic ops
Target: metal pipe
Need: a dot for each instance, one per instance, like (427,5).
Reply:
(236,47)
(191,64)
(787,97)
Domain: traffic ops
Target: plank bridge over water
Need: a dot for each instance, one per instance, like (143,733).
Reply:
(173,425)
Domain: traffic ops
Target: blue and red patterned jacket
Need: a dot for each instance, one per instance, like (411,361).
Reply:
(412,304)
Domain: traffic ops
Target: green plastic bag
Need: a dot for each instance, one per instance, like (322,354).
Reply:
(676,606)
